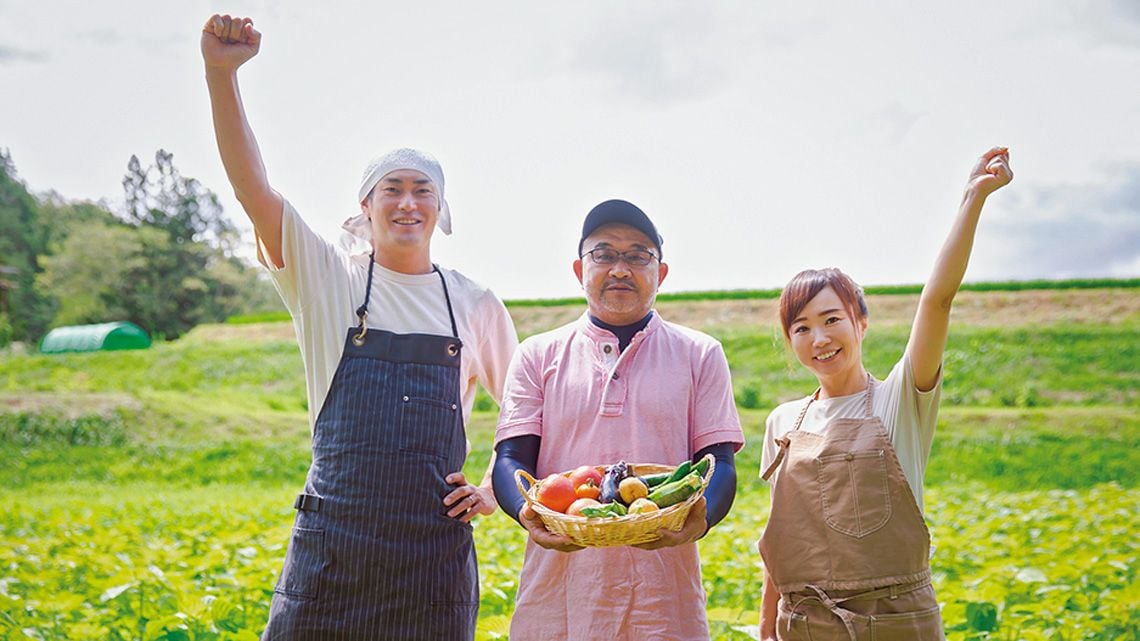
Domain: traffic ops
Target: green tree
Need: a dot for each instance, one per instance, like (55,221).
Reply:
(23,238)
(160,197)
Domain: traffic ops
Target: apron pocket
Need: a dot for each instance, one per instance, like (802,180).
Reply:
(856,494)
(924,624)
(427,426)
(792,626)
(304,561)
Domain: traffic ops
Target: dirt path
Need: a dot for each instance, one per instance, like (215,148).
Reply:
(981,309)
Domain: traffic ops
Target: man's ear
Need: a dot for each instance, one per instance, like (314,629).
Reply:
(662,272)
(578,271)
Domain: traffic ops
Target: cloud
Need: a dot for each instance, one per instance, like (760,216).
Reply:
(1127,9)
(12,54)
(654,56)
(1074,230)
(893,121)
(1113,24)
(106,36)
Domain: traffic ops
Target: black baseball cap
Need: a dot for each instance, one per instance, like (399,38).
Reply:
(623,212)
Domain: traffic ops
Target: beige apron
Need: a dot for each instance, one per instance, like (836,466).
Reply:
(846,545)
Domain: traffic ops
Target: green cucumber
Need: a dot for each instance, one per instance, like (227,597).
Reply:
(680,472)
(675,492)
(653,480)
(702,466)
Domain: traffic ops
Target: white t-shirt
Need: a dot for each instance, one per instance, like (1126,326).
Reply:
(908,415)
(322,286)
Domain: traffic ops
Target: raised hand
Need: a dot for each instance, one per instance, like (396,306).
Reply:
(991,172)
(227,42)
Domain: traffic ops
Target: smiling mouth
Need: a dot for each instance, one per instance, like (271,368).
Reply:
(406,221)
(826,356)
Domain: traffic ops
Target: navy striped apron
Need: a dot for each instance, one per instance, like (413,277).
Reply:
(373,554)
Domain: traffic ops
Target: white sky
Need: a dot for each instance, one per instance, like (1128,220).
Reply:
(762,138)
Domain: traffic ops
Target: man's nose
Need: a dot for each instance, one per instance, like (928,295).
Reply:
(407,202)
(620,269)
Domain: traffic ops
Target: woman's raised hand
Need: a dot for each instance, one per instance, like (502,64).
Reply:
(991,172)
(227,42)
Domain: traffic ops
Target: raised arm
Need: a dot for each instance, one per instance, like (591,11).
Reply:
(227,43)
(932,321)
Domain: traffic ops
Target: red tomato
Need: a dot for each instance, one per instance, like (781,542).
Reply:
(582,474)
(556,492)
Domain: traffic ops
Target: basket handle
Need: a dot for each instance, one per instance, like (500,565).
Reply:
(519,474)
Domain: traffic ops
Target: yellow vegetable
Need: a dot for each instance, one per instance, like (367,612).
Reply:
(631,489)
(641,506)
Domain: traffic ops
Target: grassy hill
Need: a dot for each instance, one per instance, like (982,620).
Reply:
(148,493)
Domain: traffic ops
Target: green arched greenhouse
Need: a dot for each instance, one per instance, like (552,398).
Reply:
(91,338)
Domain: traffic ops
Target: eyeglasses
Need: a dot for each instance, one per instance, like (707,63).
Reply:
(633,257)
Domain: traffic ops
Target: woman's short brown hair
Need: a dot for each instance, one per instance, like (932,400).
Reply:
(805,285)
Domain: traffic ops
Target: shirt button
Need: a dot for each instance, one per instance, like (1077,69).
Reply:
(616,376)
(406,399)
(608,348)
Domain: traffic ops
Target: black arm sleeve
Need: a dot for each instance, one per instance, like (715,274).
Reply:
(721,491)
(518,453)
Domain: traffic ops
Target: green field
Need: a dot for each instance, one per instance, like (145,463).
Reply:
(148,494)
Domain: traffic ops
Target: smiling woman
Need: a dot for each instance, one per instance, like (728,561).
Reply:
(846,548)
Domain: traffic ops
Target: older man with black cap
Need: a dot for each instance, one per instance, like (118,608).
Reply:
(393,346)
(620,383)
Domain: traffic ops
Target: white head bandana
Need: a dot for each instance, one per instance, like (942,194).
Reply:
(359,227)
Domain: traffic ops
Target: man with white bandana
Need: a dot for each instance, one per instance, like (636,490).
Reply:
(393,347)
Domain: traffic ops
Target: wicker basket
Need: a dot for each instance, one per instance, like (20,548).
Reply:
(631,529)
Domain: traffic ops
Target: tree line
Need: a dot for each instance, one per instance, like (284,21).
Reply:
(164,259)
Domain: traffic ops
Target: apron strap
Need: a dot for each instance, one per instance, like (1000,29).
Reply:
(362,311)
(447,297)
(870,394)
(847,616)
(783,442)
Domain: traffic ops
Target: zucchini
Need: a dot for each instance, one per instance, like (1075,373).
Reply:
(680,472)
(677,491)
(653,480)
(702,466)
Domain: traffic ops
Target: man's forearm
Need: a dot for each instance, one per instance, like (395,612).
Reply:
(721,491)
(519,453)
